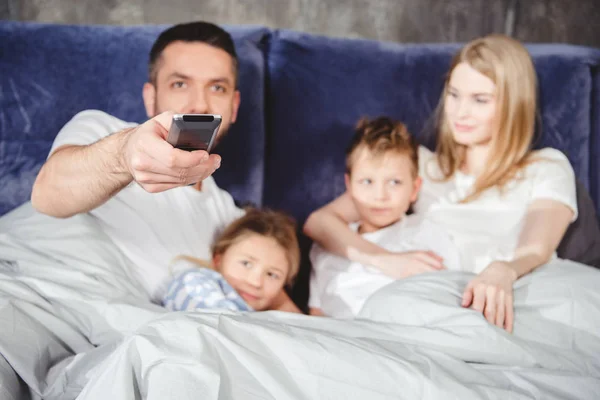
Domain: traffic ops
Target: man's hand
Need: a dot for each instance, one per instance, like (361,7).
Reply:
(491,293)
(156,165)
(400,265)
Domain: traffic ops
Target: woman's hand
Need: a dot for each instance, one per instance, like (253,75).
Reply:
(491,293)
(400,265)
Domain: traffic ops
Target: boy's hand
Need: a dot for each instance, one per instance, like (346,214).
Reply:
(400,265)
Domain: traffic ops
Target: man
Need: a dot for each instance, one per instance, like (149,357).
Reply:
(96,157)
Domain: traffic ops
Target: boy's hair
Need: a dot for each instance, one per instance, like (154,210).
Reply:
(203,32)
(380,136)
(272,224)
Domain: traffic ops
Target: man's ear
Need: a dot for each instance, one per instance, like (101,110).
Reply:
(416,188)
(237,99)
(149,96)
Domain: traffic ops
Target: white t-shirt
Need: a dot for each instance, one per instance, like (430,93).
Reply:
(153,228)
(340,287)
(488,228)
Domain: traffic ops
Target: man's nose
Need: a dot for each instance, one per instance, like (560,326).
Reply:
(199,103)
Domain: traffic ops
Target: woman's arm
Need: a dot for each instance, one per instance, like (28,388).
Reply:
(491,293)
(545,225)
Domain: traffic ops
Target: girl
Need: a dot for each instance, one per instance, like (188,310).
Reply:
(253,260)
(506,206)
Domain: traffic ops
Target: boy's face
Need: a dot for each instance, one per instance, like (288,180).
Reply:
(382,188)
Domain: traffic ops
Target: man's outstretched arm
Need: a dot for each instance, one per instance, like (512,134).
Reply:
(77,179)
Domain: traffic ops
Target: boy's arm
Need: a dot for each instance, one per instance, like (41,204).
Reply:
(328,226)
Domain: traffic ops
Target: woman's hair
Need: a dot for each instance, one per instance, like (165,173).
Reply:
(380,136)
(267,223)
(508,64)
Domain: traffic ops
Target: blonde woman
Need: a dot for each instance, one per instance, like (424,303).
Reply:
(253,260)
(506,206)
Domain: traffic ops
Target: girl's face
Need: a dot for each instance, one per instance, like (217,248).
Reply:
(257,268)
(470,106)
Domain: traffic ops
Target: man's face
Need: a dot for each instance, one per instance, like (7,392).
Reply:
(194,78)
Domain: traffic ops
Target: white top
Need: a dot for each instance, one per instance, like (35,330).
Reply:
(340,287)
(152,229)
(488,228)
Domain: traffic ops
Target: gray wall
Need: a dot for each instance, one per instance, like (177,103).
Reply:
(568,21)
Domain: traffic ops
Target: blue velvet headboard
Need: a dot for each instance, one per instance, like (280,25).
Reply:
(301,96)
(319,87)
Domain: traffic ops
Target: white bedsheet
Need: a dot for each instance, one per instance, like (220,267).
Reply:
(73,324)
(65,289)
(414,342)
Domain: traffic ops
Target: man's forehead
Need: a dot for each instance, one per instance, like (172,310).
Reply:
(196,59)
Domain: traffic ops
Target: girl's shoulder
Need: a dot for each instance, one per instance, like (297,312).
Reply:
(185,264)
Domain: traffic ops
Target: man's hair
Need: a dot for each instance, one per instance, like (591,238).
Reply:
(381,136)
(203,32)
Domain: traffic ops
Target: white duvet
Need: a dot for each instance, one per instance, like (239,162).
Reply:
(74,324)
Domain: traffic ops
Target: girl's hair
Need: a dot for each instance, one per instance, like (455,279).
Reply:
(508,64)
(380,136)
(268,223)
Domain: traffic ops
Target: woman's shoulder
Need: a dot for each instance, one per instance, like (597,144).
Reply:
(548,161)
(548,154)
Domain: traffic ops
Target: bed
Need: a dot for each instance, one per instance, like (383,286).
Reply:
(75,323)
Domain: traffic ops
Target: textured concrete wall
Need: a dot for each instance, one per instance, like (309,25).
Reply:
(569,21)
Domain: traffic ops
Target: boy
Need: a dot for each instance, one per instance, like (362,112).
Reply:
(382,179)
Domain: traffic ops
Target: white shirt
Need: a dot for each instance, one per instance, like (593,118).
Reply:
(488,228)
(152,229)
(340,287)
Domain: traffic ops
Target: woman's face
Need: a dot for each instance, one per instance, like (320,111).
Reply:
(470,106)
(257,268)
